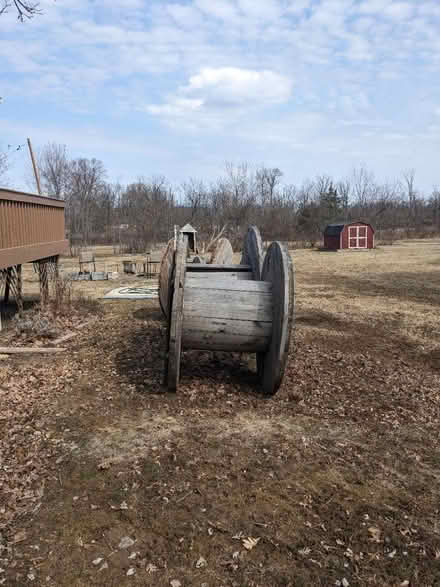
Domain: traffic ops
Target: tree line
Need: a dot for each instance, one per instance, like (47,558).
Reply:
(143,213)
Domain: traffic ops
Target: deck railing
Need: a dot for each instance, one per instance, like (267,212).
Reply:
(31,228)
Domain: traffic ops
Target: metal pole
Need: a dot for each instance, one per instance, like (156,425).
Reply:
(37,177)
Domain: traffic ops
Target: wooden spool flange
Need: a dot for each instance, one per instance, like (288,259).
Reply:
(252,253)
(222,253)
(166,278)
(224,314)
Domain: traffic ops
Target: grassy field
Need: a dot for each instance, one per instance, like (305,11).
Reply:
(105,479)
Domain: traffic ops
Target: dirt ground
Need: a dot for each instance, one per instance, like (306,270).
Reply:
(106,479)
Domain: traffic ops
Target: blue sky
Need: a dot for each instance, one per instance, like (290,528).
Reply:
(179,87)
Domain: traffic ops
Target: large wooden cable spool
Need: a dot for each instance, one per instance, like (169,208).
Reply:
(232,314)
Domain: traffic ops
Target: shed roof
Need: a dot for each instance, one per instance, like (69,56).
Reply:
(336,228)
(188,228)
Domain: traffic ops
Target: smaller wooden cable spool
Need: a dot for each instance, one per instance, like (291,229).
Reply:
(166,278)
(222,253)
(252,253)
(235,315)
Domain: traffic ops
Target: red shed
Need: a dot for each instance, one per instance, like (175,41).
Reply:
(349,235)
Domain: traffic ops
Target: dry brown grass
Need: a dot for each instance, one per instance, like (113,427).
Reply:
(393,289)
(338,474)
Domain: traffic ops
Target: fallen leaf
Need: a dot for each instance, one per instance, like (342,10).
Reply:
(249,543)
(374,533)
(150,568)
(126,542)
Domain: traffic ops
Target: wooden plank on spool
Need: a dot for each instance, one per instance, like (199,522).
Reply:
(235,299)
(176,314)
(215,341)
(209,268)
(253,251)
(222,253)
(278,269)
(165,278)
(261,313)
(229,284)
(241,275)
(251,328)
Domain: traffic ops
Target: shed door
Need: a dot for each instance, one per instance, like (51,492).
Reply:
(357,237)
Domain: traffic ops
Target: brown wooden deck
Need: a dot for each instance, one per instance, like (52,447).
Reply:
(31,228)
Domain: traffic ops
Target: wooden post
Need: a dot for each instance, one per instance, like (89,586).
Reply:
(7,285)
(44,284)
(19,289)
(37,177)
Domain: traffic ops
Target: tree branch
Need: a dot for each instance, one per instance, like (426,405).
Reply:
(24,9)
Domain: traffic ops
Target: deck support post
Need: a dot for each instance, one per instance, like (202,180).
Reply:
(7,286)
(44,281)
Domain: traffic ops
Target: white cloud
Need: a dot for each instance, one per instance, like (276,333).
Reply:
(232,85)
(217,97)
(221,9)
(399,10)
(373,6)
(176,107)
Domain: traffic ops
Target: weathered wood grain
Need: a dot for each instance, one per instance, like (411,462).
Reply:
(165,278)
(240,275)
(176,315)
(278,269)
(252,253)
(212,268)
(222,253)
(220,283)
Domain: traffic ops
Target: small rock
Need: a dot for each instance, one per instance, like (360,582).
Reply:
(123,506)
(103,566)
(133,555)
(97,561)
(131,571)
(201,563)
(344,582)
(175,583)
(126,542)
(31,576)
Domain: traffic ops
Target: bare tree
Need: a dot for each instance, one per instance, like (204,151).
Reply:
(409,189)
(194,194)
(24,9)
(86,181)
(54,170)
(4,165)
